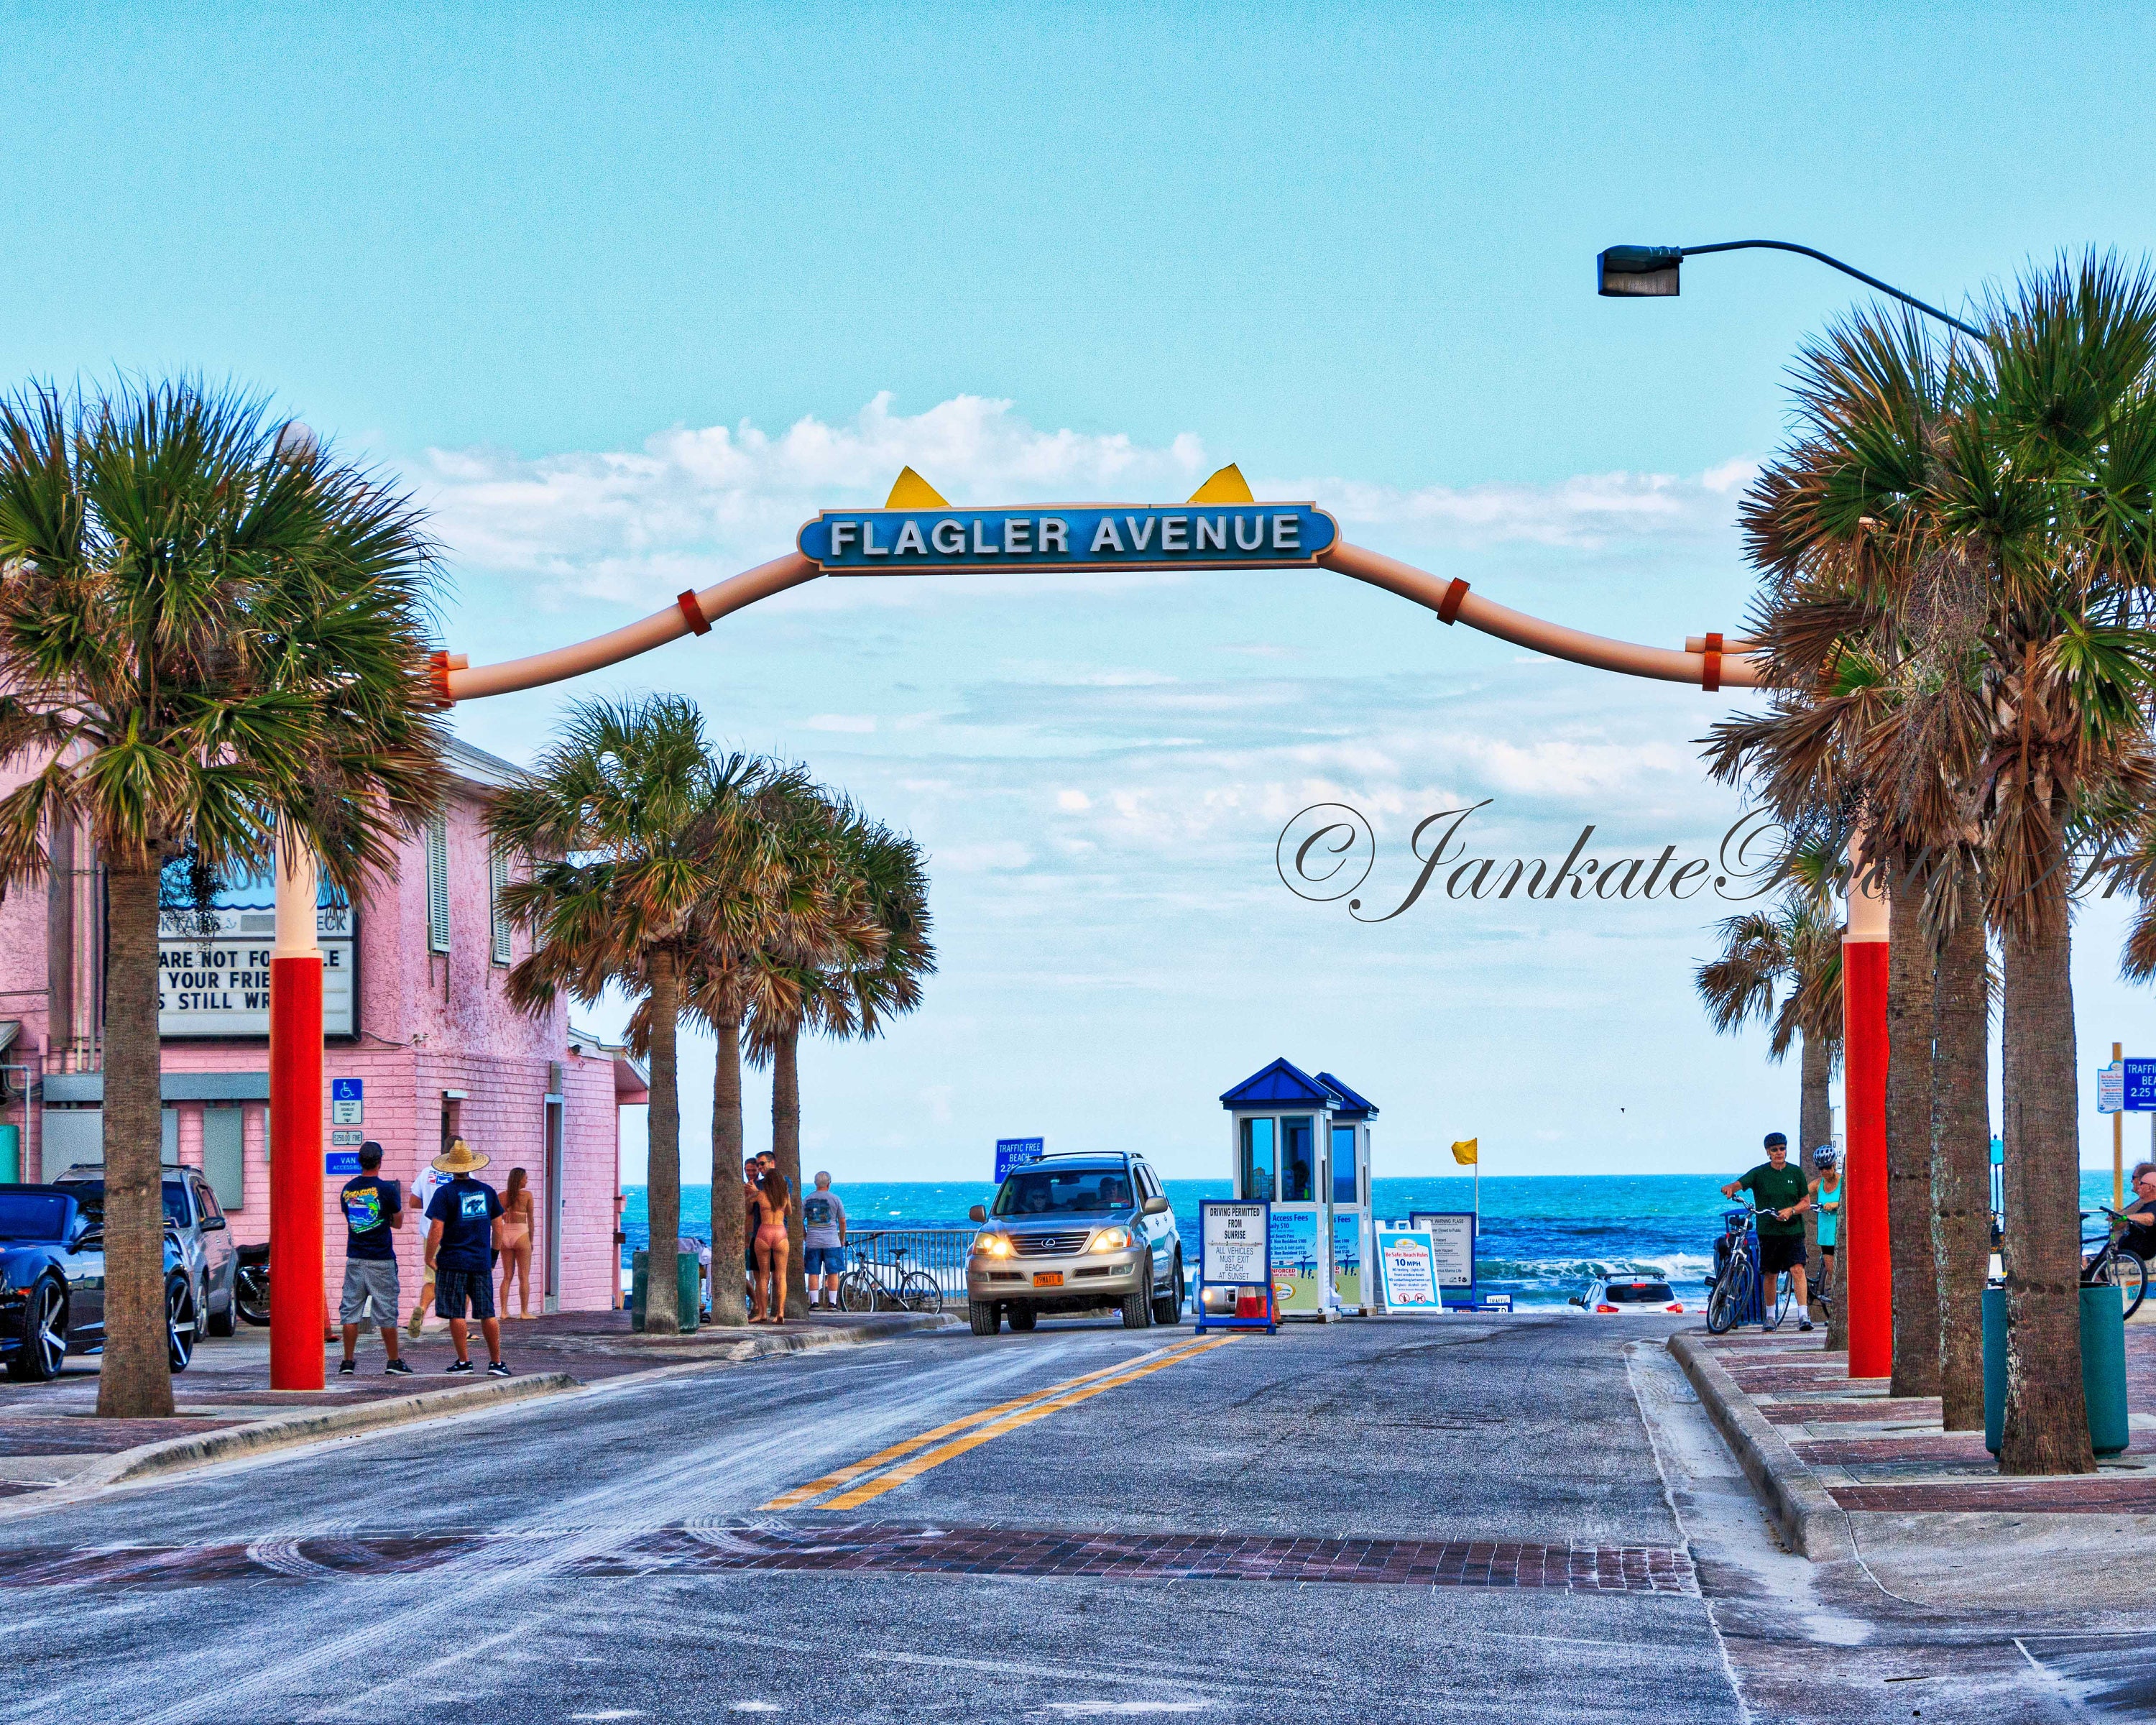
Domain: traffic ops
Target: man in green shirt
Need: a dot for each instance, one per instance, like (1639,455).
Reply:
(1782,1195)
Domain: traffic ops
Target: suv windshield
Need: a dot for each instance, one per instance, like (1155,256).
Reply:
(91,1195)
(32,1216)
(1063,1192)
(1638,1293)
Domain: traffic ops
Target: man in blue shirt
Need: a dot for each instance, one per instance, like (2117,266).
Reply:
(462,1230)
(373,1210)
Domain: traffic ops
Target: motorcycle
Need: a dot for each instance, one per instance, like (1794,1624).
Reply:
(250,1284)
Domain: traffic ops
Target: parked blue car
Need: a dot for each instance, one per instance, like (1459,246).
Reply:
(52,1283)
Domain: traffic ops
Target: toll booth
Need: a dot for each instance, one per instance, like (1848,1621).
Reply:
(1302,1144)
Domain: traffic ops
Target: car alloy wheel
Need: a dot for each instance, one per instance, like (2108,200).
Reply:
(44,1333)
(180,1322)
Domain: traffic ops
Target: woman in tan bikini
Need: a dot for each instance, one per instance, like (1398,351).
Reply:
(773,1200)
(517,1241)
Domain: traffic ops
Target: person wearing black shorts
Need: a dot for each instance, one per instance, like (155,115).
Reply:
(1781,1195)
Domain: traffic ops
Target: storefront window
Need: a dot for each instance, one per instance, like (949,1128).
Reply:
(1343,1165)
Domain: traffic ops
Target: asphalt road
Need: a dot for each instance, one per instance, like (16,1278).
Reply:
(1451,1518)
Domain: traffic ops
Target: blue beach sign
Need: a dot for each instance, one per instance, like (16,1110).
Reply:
(912,542)
(1017,1153)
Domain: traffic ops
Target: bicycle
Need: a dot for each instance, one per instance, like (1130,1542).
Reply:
(1736,1283)
(2113,1264)
(864,1288)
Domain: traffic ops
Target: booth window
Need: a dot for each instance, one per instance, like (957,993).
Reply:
(1258,1160)
(437,885)
(1343,1166)
(1298,1161)
(496,884)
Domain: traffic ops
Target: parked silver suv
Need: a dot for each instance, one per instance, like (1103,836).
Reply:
(1076,1233)
(192,1213)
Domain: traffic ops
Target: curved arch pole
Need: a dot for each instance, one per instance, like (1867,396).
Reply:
(1664,665)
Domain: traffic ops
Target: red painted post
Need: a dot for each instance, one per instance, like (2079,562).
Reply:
(298,1306)
(1866,1274)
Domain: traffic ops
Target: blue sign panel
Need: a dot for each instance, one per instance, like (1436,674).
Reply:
(2141,1087)
(1016,1153)
(341,1161)
(347,1090)
(911,541)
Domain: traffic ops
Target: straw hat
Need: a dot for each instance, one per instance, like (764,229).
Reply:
(459,1159)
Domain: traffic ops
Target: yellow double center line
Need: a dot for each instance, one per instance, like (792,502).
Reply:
(915,1455)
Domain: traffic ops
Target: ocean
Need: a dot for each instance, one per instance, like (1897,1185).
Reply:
(1541,1238)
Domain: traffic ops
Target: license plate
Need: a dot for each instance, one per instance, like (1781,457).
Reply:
(1047,1278)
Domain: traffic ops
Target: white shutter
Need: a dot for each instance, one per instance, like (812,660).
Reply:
(497,883)
(437,885)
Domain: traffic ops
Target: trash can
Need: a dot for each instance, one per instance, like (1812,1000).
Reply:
(692,1285)
(2104,1367)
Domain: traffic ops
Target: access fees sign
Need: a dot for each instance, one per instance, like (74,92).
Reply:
(914,541)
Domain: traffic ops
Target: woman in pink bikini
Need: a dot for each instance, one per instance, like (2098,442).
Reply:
(772,1250)
(517,1241)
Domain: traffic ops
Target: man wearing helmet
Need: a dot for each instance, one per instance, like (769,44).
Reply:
(1781,1197)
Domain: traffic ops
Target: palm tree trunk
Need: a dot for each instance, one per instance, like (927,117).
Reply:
(662,1304)
(2046,1431)
(1916,1296)
(786,1145)
(135,1380)
(1961,1165)
(1815,1127)
(729,1295)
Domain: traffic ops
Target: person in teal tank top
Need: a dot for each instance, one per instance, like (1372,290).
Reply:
(1826,1198)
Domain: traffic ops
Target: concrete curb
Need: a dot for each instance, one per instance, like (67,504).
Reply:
(1810,1521)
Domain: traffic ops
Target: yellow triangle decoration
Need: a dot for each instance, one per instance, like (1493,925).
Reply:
(909,490)
(1226,486)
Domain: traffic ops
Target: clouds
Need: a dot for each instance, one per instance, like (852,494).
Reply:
(693,505)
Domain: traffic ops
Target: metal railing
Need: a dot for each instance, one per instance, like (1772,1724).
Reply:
(940,1251)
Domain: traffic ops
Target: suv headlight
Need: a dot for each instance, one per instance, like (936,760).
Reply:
(1110,1239)
(993,1245)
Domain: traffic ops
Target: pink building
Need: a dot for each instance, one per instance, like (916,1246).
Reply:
(422,1046)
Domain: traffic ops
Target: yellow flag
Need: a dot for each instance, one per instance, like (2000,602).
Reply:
(1463,1153)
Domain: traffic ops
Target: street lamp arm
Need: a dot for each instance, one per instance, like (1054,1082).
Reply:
(1784,245)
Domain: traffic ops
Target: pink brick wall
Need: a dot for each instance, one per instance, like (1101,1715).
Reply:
(429,1022)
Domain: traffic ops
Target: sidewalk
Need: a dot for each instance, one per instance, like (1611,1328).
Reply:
(1840,1462)
(49,1437)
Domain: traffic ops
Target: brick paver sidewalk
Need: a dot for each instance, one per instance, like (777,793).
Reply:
(1874,1452)
(48,1433)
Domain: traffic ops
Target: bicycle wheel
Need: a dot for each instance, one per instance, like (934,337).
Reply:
(858,1291)
(1731,1295)
(917,1292)
(1785,1290)
(2127,1273)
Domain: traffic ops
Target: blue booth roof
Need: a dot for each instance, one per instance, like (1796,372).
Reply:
(1350,1105)
(1285,1084)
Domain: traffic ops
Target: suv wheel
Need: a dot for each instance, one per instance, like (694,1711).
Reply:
(1138,1306)
(222,1323)
(986,1316)
(1024,1317)
(1167,1309)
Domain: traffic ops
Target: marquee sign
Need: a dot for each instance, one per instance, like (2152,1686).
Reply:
(1052,536)
(214,966)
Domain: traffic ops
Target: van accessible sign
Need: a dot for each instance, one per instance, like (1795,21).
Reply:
(916,542)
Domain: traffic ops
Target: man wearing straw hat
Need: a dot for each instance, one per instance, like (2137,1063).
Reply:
(463,1221)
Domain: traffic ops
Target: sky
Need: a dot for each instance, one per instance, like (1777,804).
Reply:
(625,295)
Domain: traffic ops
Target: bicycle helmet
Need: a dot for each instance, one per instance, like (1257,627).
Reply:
(1823,1157)
(1774,1138)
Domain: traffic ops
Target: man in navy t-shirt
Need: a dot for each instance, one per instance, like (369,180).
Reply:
(460,1242)
(373,1210)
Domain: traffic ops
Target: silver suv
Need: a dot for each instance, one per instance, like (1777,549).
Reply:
(1076,1233)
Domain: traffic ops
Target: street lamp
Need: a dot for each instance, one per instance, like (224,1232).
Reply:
(1649,272)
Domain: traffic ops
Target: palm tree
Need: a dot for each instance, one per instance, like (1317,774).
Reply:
(207,647)
(1962,559)
(862,964)
(627,828)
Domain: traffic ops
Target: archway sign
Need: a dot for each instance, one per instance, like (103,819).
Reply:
(1222,526)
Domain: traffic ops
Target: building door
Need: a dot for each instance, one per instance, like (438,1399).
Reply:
(556,1208)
